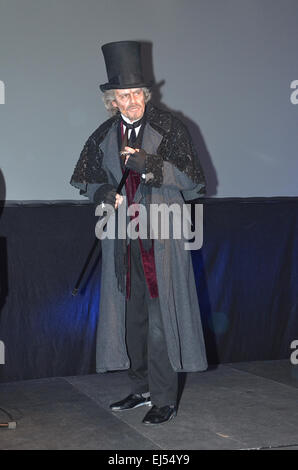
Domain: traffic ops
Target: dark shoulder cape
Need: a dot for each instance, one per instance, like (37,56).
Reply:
(89,166)
(176,147)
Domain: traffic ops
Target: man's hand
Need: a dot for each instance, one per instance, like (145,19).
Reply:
(135,161)
(107,194)
(130,150)
(119,200)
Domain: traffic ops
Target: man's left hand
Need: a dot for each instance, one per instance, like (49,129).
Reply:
(135,161)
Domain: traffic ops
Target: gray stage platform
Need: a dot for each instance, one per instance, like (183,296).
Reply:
(233,406)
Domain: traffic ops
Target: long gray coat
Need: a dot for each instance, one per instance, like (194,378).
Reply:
(164,136)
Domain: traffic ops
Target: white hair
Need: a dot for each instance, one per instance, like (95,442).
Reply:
(109,96)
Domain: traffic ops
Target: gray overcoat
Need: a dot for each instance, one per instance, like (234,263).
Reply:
(174,172)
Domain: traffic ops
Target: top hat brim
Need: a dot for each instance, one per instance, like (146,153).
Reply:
(112,86)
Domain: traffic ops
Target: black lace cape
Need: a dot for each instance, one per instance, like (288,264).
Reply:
(176,147)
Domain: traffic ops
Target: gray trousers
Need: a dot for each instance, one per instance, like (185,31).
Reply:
(150,368)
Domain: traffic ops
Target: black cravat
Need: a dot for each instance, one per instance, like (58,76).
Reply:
(132,138)
(133,126)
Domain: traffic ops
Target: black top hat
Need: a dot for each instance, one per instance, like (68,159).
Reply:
(123,64)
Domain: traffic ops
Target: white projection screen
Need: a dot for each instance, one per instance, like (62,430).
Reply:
(229,68)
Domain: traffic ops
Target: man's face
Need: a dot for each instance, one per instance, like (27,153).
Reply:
(131,103)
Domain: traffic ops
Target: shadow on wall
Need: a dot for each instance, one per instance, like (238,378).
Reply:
(195,132)
(3,249)
(211,183)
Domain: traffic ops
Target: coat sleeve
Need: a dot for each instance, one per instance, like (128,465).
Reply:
(176,164)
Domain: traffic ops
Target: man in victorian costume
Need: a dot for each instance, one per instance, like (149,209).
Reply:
(149,320)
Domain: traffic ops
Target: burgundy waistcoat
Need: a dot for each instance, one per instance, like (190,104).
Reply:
(131,186)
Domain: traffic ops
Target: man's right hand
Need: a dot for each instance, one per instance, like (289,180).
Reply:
(113,198)
(119,200)
(107,194)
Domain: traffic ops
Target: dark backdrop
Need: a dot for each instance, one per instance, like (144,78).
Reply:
(246,274)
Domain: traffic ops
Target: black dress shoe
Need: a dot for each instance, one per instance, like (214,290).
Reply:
(160,415)
(130,402)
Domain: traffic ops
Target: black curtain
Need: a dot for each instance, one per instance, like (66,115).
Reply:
(246,275)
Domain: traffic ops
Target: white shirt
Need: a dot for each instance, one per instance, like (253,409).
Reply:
(137,129)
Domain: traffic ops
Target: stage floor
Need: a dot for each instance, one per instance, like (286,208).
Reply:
(250,405)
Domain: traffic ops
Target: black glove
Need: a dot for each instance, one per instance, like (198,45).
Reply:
(106,194)
(137,161)
(154,170)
